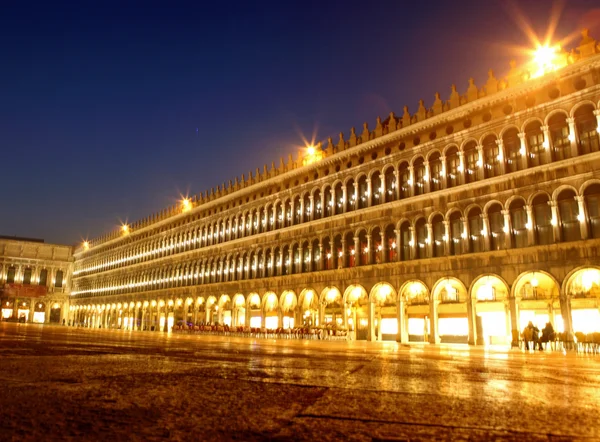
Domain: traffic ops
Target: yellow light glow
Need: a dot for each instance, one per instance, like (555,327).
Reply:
(310,150)
(86,245)
(186,204)
(546,59)
(125,228)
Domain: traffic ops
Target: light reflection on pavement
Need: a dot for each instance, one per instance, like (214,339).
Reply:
(67,383)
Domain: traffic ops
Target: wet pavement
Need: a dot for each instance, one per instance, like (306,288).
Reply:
(80,384)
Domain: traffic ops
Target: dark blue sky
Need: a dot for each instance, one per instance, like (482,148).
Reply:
(99,104)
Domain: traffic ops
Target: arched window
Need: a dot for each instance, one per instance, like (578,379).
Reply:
(491,157)
(405,239)
(496,221)
(587,129)
(390,241)
(338,199)
(43,277)
(390,185)
(285,261)
(404,178)
(316,255)
(439,232)
(27,276)
(559,132)
(308,208)
(10,275)
(569,211)
(476,237)
(350,252)
(421,237)
(512,149)
(452,167)
(306,258)
(296,259)
(456,234)
(363,192)
(542,215)
(377,189)
(535,144)
(592,203)
(350,195)
(58,280)
(435,168)
(419,174)
(328,255)
(297,211)
(363,248)
(518,219)
(471,162)
(318,210)
(329,202)
(376,246)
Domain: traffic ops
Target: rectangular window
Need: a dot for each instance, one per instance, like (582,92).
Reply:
(519,225)
(43,277)
(536,148)
(492,163)
(452,172)
(471,157)
(456,240)
(561,143)
(10,275)
(27,276)
(543,224)
(475,228)
(436,175)
(496,220)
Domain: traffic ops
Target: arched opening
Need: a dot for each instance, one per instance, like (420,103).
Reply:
(405,241)
(471,162)
(327,252)
(338,199)
(224,311)
(363,192)
(535,144)
(568,209)
(452,167)
(587,129)
(476,230)
(583,290)
(538,301)
(350,195)
(512,148)
(421,239)
(559,132)
(377,246)
(363,248)
(518,219)
(277,262)
(286,268)
(239,310)
(297,210)
(439,234)
(317,203)
(436,171)
(357,300)
(391,193)
(391,248)
(288,303)
(377,189)
(592,203)
(386,325)
(351,253)
(296,259)
(329,202)
(451,310)
(306,258)
(254,308)
(279,214)
(497,229)
(416,297)
(492,311)
(419,176)
(338,253)
(542,216)
(492,157)
(309,307)
(270,307)
(316,255)
(333,308)
(456,233)
(404,179)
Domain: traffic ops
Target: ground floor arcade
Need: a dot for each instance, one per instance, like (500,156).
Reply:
(40,310)
(489,310)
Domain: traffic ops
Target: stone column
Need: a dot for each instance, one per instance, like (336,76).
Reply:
(382,190)
(371,336)
(427,178)
(292,213)
(447,239)
(321,264)
(461,168)
(356,195)
(323,209)
(357,251)
(385,254)
(344,255)
(301,217)
(291,261)
(300,264)
(397,180)
(480,163)
(507,229)
(466,235)
(486,232)
(573,137)
(429,240)
(344,199)
(555,220)
(473,338)
(398,238)
(582,217)
(402,322)
(434,337)
(369,250)
(412,243)
(311,215)
(523,151)
(547,145)
(530,223)
(501,155)
(442,178)
(369,192)
(411,181)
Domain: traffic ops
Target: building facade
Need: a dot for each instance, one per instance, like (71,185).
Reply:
(458,223)
(34,280)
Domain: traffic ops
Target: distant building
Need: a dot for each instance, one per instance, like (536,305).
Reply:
(459,222)
(34,280)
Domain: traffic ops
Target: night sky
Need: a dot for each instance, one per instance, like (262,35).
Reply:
(109,112)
